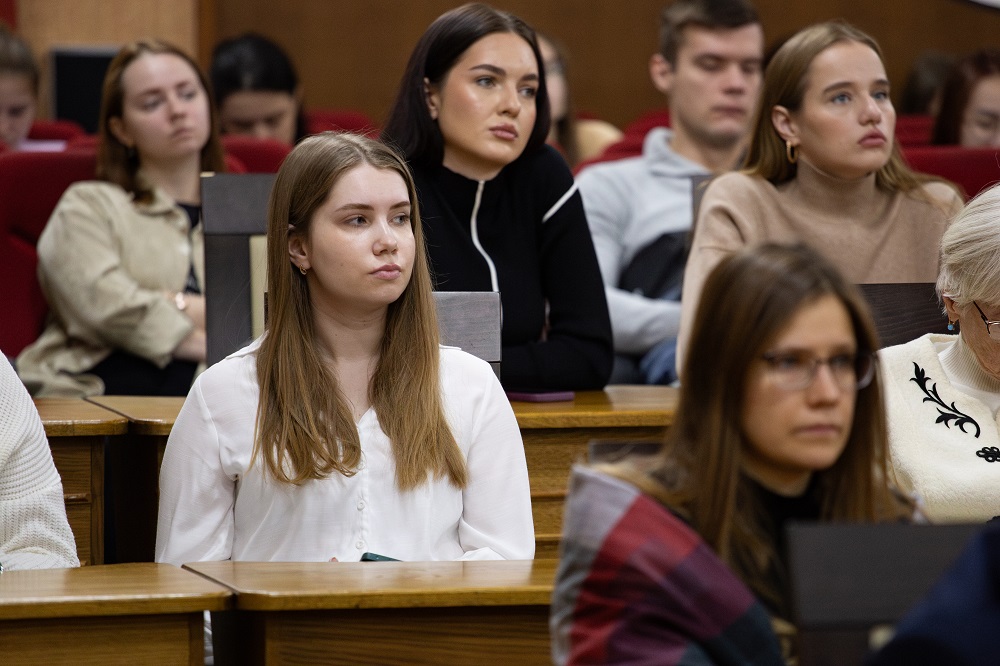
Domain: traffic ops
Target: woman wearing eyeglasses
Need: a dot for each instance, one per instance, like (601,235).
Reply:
(682,558)
(943,391)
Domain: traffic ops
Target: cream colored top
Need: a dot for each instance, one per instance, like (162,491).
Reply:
(104,262)
(871,235)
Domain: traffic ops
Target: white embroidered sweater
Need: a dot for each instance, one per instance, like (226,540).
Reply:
(34,532)
(944,436)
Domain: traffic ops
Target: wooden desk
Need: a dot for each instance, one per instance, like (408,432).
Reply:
(138,455)
(113,614)
(76,430)
(556,434)
(387,612)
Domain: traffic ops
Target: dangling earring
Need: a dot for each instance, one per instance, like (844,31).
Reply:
(951,325)
(791,152)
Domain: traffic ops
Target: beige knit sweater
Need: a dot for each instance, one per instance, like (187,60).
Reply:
(869,234)
(34,533)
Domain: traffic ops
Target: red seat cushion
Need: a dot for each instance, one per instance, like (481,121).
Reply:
(973,169)
(340,120)
(257,155)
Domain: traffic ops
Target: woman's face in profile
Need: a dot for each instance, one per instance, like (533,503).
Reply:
(359,249)
(485,105)
(165,114)
(845,124)
(981,119)
(799,398)
(17,108)
(262,114)
(985,344)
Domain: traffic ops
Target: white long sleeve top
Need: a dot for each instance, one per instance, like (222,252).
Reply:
(214,506)
(34,532)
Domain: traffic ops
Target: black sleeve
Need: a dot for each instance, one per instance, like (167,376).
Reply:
(577,351)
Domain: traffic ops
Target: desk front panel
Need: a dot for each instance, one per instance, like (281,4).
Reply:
(102,641)
(404,636)
(80,462)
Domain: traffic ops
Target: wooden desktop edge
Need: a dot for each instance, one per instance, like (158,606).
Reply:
(537,594)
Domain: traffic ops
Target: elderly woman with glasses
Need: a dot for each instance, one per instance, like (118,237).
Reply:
(943,391)
(681,559)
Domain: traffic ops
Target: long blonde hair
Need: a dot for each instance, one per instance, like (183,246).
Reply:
(305,428)
(785,82)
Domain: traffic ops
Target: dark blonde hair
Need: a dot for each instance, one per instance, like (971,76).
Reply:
(305,428)
(747,302)
(785,83)
(115,162)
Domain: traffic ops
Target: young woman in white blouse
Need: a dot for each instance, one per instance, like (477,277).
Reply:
(345,428)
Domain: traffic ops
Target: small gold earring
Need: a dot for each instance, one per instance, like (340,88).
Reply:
(791,152)
(303,270)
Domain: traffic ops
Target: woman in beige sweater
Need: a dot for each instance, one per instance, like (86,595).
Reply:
(823,168)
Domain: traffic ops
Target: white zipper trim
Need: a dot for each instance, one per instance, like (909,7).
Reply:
(559,204)
(475,236)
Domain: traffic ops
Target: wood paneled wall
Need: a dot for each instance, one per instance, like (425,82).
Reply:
(351,53)
(47,23)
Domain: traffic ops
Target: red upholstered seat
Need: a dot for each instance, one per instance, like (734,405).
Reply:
(647,121)
(340,120)
(630,145)
(914,130)
(54,130)
(257,155)
(30,187)
(973,169)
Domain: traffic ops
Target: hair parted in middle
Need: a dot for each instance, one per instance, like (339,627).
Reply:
(305,428)
(409,126)
(748,301)
(115,162)
(785,82)
(711,14)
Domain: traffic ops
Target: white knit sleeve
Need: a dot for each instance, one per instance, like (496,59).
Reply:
(34,532)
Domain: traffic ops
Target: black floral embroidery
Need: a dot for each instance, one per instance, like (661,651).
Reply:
(989,454)
(947,413)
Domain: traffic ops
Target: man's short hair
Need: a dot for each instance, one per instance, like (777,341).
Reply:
(712,14)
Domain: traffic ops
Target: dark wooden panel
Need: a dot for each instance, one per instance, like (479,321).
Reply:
(904,311)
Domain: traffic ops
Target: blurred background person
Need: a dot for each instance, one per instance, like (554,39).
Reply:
(970,103)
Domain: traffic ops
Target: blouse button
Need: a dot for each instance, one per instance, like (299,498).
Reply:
(359,545)
(361,505)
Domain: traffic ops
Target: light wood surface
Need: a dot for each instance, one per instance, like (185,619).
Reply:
(292,586)
(68,417)
(146,415)
(102,615)
(385,613)
(614,407)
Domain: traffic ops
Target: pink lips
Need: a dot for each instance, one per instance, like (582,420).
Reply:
(387,272)
(819,430)
(505,132)
(873,139)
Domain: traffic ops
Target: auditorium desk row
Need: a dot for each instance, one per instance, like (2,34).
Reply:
(555,436)
(279,613)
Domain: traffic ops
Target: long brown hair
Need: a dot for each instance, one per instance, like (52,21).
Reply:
(115,162)
(785,82)
(306,432)
(957,91)
(747,301)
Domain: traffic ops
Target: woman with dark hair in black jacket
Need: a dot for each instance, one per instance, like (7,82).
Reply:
(501,209)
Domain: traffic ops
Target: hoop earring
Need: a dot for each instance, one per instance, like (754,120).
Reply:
(791,152)
(303,270)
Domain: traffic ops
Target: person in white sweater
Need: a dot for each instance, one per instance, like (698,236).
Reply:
(943,391)
(345,429)
(34,532)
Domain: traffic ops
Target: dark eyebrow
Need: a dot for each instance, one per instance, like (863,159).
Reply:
(500,71)
(849,84)
(366,207)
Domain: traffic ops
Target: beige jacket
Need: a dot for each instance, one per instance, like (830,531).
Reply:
(104,263)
